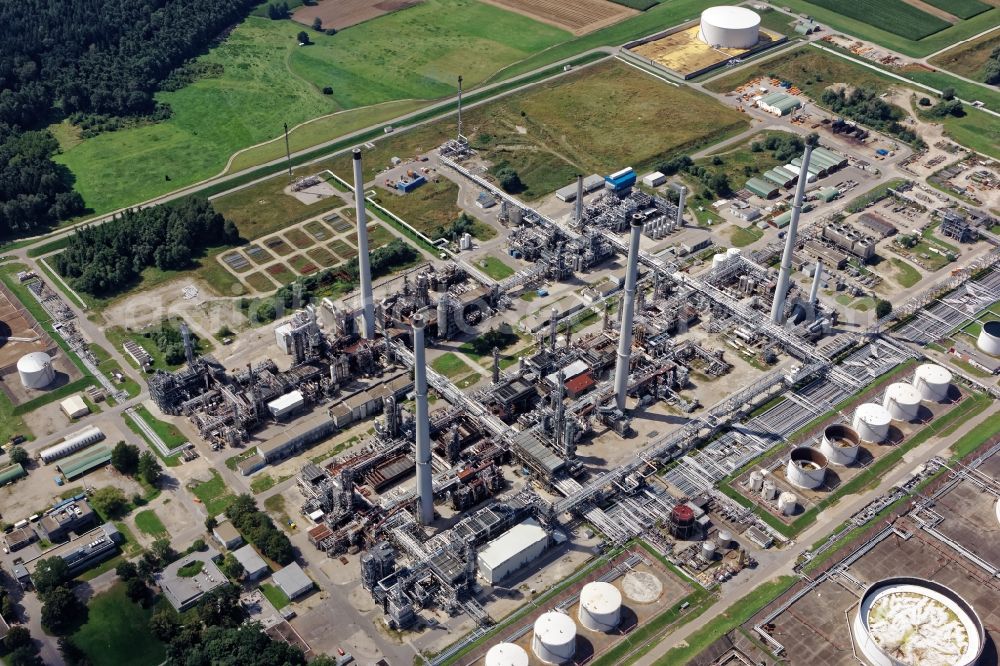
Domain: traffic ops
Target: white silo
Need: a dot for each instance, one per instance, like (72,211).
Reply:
(840,444)
(724,539)
(718,259)
(600,606)
(902,401)
(932,382)
(872,422)
(787,502)
(506,654)
(768,490)
(989,338)
(708,551)
(35,370)
(756,481)
(733,252)
(806,467)
(554,640)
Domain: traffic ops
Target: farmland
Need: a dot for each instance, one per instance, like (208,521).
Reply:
(578,17)
(861,24)
(268,80)
(962,9)
(894,15)
(968,59)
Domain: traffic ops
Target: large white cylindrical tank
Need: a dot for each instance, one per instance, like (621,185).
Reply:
(708,551)
(872,422)
(768,490)
(724,539)
(905,621)
(806,467)
(932,382)
(902,401)
(554,640)
(729,27)
(756,481)
(35,370)
(718,259)
(600,606)
(787,502)
(989,338)
(840,444)
(506,654)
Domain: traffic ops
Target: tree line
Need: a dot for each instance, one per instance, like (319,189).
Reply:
(865,106)
(106,259)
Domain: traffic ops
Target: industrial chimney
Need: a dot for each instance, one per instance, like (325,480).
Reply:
(628,305)
(682,194)
(425,480)
(364,267)
(578,215)
(784,276)
(817,276)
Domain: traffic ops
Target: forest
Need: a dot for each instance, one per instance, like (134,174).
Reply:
(105,259)
(100,59)
(866,107)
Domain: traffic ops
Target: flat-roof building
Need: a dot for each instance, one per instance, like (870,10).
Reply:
(227,535)
(521,544)
(57,525)
(182,589)
(292,580)
(254,565)
(74,407)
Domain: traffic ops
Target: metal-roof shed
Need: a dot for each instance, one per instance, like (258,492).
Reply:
(11,473)
(84,461)
(779,177)
(835,158)
(292,580)
(253,564)
(787,104)
(828,194)
(761,188)
(782,220)
(520,545)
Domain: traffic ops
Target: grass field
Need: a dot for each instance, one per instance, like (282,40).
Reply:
(895,15)
(274,594)
(213,494)
(495,268)
(116,632)
(431,206)
(449,365)
(268,80)
(961,8)
(834,13)
(968,59)
(147,521)
(743,236)
(906,275)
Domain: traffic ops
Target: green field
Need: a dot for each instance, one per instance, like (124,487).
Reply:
(968,59)
(116,632)
(268,80)
(449,365)
(961,8)
(495,268)
(147,521)
(834,13)
(906,275)
(743,236)
(894,15)
(213,494)
(274,594)
(431,206)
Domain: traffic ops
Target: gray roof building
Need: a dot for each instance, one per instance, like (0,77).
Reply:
(292,580)
(184,591)
(253,564)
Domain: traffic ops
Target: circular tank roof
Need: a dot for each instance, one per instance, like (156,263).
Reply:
(600,597)
(506,654)
(727,16)
(873,415)
(683,513)
(992,328)
(934,373)
(33,362)
(902,393)
(555,628)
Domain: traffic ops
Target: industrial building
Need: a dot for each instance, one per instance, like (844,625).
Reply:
(253,564)
(72,443)
(762,188)
(620,181)
(850,239)
(293,581)
(227,535)
(11,473)
(86,460)
(20,537)
(877,224)
(591,183)
(183,592)
(66,519)
(778,103)
(956,226)
(74,407)
(503,556)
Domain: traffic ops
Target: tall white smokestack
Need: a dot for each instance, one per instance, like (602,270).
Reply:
(425,480)
(553,328)
(785,275)
(680,206)
(578,215)
(817,276)
(628,300)
(364,267)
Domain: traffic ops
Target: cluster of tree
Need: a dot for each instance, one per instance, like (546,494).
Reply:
(991,69)
(383,260)
(107,258)
(6,605)
(464,224)
(946,107)
(110,502)
(276,11)
(883,308)
(18,455)
(865,106)
(168,339)
(484,344)
(672,166)
(19,648)
(259,530)
(61,610)
(712,181)
(35,192)
(127,459)
(783,148)
(508,178)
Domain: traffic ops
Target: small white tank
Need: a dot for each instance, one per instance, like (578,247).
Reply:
(756,481)
(787,503)
(840,444)
(902,401)
(989,338)
(600,606)
(806,467)
(733,252)
(506,654)
(554,640)
(717,259)
(932,382)
(708,551)
(872,422)
(35,370)
(768,490)
(724,539)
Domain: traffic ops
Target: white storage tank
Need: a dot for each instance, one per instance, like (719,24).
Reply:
(708,551)
(35,370)
(554,640)
(840,444)
(872,422)
(806,467)
(787,503)
(724,539)
(756,481)
(989,338)
(506,654)
(718,259)
(902,401)
(729,27)
(733,252)
(768,490)
(932,382)
(600,606)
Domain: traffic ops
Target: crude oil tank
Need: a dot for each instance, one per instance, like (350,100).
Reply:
(600,606)
(554,640)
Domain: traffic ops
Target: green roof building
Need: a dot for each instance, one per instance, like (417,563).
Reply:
(782,220)
(84,461)
(11,473)
(762,188)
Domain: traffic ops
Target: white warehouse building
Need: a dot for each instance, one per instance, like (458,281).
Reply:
(729,27)
(73,443)
(512,550)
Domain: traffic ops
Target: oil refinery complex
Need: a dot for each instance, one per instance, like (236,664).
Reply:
(591,455)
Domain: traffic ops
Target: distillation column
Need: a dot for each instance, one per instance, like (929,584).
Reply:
(578,215)
(364,267)
(425,475)
(628,310)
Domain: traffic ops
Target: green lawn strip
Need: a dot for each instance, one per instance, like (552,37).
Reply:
(116,632)
(147,521)
(191,569)
(931,237)
(968,59)
(495,268)
(233,461)
(265,482)
(275,595)
(906,275)
(213,494)
(449,365)
(743,236)
(172,461)
(737,614)
(168,432)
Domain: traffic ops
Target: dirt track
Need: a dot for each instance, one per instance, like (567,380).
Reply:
(342,14)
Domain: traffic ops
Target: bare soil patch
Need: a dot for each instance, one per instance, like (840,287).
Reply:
(342,14)
(579,17)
